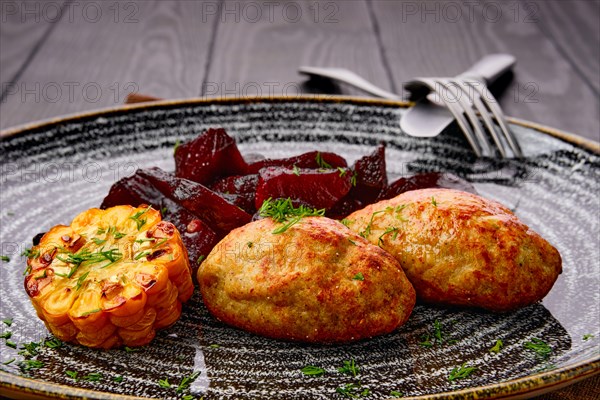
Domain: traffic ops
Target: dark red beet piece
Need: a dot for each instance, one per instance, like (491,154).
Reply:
(213,209)
(135,190)
(210,156)
(306,160)
(319,189)
(424,181)
(243,187)
(371,176)
(344,207)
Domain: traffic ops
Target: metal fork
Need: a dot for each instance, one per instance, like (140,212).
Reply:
(470,102)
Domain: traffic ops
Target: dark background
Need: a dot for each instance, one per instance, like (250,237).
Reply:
(60,57)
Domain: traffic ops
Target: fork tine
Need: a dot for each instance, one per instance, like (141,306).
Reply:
(466,104)
(490,101)
(484,114)
(457,112)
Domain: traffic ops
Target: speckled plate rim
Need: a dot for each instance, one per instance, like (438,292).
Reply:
(517,388)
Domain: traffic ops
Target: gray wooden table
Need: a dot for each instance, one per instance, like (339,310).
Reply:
(60,57)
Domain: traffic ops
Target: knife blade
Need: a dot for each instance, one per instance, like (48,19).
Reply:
(428,119)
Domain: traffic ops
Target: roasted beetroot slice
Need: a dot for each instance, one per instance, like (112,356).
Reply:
(344,207)
(210,156)
(313,159)
(212,208)
(133,190)
(425,181)
(243,187)
(371,176)
(319,189)
(198,238)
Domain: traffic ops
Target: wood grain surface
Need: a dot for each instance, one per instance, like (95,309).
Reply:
(97,52)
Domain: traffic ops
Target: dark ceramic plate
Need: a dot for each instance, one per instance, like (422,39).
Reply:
(54,170)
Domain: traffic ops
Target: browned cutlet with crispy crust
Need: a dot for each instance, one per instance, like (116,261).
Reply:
(316,282)
(458,248)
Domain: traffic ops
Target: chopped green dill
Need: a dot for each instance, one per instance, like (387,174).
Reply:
(367,231)
(433,201)
(352,390)
(84,255)
(100,231)
(118,378)
(53,343)
(588,336)
(176,146)
(311,370)
(320,162)
(160,243)
(296,170)
(497,347)
(30,364)
(354,178)
(6,335)
(199,260)
(343,171)
(93,377)
(396,393)
(349,368)
(44,275)
(5,258)
(187,381)
(214,346)
(10,343)
(437,337)
(130,349)
(188,397)
(30,253)
(539,346)
(164,383)
(85,314)
(461,372)
(81,279)
(7,321)
(141,255)
(425,340)
(249,244)
(389,230)
(144,240)
(352,241)
(137,218)
(359,277)
(283,211)
(30,349)
(163,211)
(119,235)
(346,222)
(72,374)
(9,361)
(98,241)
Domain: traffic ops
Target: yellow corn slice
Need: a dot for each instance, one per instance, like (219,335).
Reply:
(111,278)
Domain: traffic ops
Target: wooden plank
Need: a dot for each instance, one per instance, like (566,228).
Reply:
(24,25)
(107,49)
(574,27)
(258,49)
(445,38)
